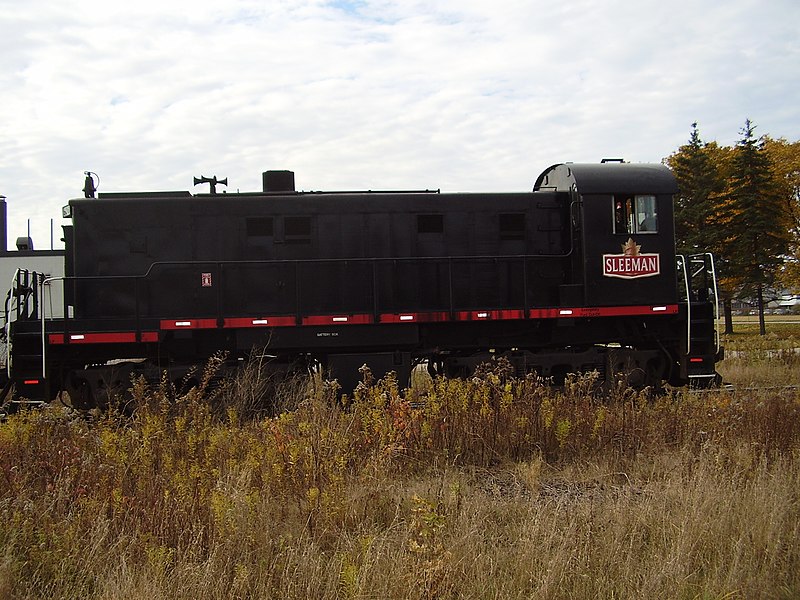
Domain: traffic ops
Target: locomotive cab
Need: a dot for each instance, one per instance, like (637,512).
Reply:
(624,230)
(622,216)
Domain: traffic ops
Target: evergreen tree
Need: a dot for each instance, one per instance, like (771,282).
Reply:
(700,169)
(752,217)
(698,180)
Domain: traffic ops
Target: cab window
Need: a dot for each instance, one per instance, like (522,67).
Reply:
(635,214)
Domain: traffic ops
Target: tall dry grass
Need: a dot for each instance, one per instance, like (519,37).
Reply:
(484,488)
(755,360)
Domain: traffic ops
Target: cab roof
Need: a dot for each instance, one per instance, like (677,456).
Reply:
(608,178)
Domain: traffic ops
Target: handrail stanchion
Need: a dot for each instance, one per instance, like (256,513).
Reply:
(450,286)
(525,286)
(219,286)
(8,319)
(136,294)
(44,334)
(685,268)
(716,298)
(298,316)
(375,307)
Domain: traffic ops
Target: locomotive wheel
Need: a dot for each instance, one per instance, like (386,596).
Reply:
(435,367)
(636,378)
(656,372)
(80,393)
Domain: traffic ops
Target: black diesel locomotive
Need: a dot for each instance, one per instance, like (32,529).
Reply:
(578,274)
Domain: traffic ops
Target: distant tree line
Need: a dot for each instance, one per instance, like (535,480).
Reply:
(741,203)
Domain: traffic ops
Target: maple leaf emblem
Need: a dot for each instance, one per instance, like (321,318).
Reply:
(631,248)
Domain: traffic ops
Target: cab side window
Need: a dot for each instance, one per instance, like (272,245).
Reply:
(635,214)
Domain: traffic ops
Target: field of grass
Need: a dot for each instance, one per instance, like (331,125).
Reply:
(486,488)
(755,360)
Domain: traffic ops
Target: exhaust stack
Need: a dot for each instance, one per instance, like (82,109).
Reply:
(278,181)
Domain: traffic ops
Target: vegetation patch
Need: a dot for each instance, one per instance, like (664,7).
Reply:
(488,487)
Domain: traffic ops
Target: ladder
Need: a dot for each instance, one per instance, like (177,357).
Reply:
(23,337)
(699,292)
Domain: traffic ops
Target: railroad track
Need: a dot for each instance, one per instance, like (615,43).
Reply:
(731,388)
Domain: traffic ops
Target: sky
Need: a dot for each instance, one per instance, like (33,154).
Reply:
(457,95)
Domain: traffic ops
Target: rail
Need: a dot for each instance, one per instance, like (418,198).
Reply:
(699,285)
(26,296)
(682,269)
(509,275)
(705,273)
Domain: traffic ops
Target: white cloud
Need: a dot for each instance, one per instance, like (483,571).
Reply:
(462,95)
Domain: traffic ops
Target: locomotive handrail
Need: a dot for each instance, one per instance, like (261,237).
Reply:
(708,265)
(702,265)
(447,262)
(681,261)
(347,192)
(331,260)
(716,299)
(7,322)
(44,333)
(275,261)
(33,286)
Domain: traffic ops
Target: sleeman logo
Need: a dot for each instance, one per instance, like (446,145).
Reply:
(631,263)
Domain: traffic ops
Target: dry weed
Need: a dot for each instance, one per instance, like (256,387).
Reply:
(488,487)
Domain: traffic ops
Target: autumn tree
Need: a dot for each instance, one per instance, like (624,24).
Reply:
(785,158)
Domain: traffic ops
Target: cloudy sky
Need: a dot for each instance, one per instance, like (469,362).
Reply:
(462,95)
